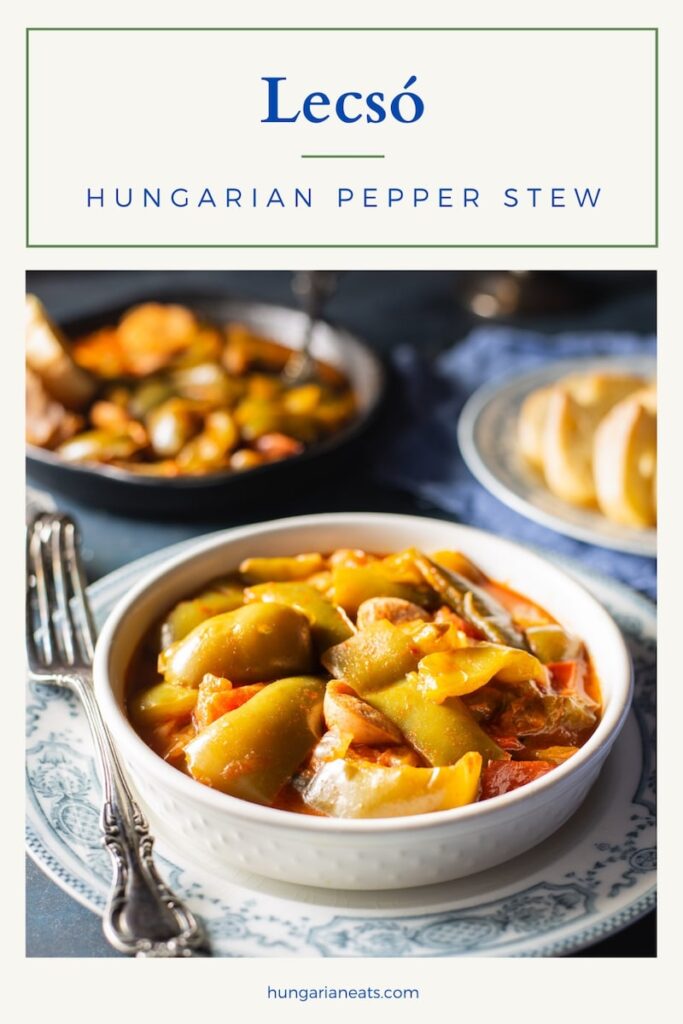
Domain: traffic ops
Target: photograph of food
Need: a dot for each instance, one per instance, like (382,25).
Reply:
(347,582)
(159,407)
(580,449)
(593,436)
(388,686)
(164,393)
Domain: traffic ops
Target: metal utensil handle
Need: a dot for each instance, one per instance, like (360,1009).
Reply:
(142,917)
(313,289)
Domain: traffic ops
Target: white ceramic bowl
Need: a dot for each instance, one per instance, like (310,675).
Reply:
(213,829)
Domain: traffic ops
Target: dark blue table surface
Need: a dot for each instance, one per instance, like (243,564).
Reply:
(386,309)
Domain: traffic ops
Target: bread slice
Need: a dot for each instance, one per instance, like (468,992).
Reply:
(600,391)
(531,426)
(568,448)
(625,461)
(557,426)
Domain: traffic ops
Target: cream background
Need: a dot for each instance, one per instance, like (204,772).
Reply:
(480,990)
(502,109)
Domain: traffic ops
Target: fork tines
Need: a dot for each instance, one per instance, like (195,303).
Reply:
(60,635)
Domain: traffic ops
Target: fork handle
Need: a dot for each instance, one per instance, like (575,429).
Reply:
(142,917)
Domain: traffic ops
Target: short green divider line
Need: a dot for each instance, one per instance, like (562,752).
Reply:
(342,156)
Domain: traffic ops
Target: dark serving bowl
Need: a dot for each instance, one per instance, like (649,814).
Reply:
(202,496)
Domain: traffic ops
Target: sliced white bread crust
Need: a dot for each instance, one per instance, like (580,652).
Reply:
(568,449)
(625,461)
(531,426)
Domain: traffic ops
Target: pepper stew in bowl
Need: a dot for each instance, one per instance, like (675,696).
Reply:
(357,685)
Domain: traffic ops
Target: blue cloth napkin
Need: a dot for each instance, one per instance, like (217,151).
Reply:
(425,459)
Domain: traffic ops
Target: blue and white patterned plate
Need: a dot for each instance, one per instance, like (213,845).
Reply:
(593,877)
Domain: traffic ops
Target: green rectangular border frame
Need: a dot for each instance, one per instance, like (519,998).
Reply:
(346,245)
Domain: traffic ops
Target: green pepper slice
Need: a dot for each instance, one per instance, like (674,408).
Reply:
(253,644)
(163,702)
(283,569)
(361,789)
(186,615)
(253,751)
(471,602)
(379,663)
(353,584)
(374,657)
(329,626)
(441,733)
(551,643)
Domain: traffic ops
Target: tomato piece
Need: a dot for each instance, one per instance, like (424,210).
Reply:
(565,675)
(216,696)
(240,695)
(569,679)
(503,776)
(446,614)
(508,742)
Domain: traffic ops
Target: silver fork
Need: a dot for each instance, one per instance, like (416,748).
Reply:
(314,289)
(142,918)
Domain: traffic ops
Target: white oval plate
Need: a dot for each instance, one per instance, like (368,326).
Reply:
(487,432)
(590,879)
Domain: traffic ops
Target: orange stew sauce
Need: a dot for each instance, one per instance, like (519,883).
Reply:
(354,684)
